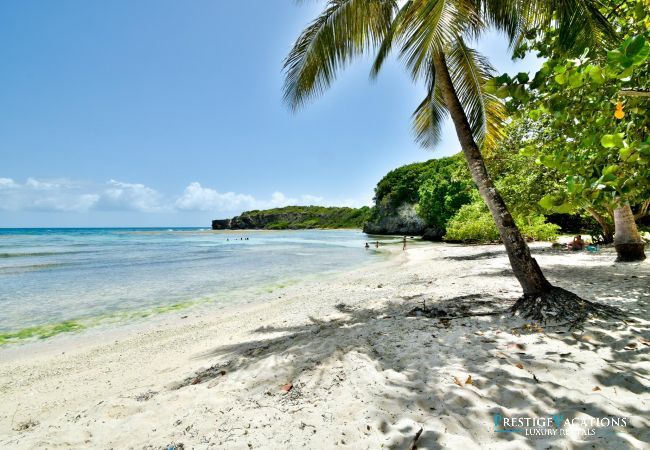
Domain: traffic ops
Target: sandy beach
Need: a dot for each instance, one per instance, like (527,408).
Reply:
(340,362)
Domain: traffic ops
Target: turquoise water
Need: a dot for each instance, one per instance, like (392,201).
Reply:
(64,279)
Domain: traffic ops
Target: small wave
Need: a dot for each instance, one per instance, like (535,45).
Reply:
(30,268)
(31,254)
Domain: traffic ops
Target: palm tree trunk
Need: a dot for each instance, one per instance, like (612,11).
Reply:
(525,267)
(627,240)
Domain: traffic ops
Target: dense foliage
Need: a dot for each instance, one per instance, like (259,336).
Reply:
(402,185)
(438,187)
(445,189)
(306,217)
(473,223)
(591,120)
(447,199)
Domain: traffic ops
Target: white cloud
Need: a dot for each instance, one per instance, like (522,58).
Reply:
(7,183)
(64,195)
(120,196)
(44,195)
(197,198)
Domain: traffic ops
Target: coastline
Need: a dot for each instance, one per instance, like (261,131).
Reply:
(337,340)
(182,270)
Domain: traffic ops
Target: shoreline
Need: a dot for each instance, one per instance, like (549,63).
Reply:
(337,341)
(41,326)
(133,321)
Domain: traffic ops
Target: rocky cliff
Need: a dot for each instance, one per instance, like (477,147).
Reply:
(401,221)
(294,218)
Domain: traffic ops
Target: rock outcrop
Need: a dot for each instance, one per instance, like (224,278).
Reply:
(402,221)
(295,218)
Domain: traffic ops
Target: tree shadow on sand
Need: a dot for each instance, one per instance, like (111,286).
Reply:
(418,368)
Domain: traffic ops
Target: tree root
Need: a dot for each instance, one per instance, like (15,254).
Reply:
(558,304)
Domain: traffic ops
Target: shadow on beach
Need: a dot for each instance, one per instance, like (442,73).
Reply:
(419,367)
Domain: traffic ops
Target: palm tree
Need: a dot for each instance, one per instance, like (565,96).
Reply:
(627,240)
(431,37)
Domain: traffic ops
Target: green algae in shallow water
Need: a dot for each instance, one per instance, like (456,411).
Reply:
(42,331)
(68,326)
(275,286)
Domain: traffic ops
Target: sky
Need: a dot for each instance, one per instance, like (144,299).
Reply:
(167,113)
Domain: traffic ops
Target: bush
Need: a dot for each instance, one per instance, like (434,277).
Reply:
(536,228)
(473,223)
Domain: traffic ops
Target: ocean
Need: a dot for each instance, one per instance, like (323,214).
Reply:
(58,280)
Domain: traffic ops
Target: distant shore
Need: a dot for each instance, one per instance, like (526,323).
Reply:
(339,361)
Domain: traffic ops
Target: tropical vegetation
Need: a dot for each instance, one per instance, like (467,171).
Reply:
(433,38)
(298,217)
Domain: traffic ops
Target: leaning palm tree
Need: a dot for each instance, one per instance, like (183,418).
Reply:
(431,37)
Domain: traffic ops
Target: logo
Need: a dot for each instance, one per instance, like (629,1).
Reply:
(558,425)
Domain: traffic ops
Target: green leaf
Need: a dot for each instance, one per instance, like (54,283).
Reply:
(607,141)
(503,92)
(504,78)
(522,77)
(547,202)
(564,208)
(571,185)
(626,73)
(491,86)
(612,140)
(560,78)
(610,170)
(527,151)
(575,80)
(520,93)
(596,74)
(634,46)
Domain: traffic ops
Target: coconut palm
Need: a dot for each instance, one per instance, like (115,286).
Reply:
(431,37)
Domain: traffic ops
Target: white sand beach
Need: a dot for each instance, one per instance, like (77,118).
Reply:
(339,363)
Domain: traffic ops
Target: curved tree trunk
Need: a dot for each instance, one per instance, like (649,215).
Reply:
(627,240)
(525,267)
(643,210)
(606,225)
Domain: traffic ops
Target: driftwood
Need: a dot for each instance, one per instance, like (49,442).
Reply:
(414,444)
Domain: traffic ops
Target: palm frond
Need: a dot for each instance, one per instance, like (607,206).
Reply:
(430,114)
(394,31)
(469,71)
(345,29)
(430,26)
(579,22)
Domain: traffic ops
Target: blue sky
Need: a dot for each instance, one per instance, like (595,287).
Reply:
(168,113)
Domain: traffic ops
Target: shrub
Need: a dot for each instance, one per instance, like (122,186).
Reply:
(536,228)
(473,223)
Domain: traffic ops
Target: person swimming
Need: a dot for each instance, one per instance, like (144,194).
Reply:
(367,246)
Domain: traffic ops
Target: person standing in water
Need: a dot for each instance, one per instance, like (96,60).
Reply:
(404,243)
